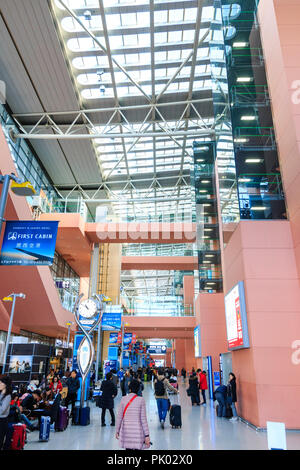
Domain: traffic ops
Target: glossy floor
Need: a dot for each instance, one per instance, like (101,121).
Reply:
(201,430)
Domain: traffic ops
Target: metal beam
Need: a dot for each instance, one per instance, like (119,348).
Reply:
(194,133)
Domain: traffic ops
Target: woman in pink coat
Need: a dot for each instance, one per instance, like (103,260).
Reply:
(131,426)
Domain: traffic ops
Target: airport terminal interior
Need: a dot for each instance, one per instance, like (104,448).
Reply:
(150,223)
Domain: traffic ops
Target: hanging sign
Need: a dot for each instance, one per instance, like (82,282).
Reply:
(28,243)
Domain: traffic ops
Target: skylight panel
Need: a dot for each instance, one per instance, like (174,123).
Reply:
(132,58)
(160,56)
(115,42)
(208,13)
(71,26)
(76,4)
(130,40)
(189,35)
(161,38)
(113,21)
(129,19)
(174,36)
(190,14)
(175,16)
(174,55)
(144,40)
(160,16)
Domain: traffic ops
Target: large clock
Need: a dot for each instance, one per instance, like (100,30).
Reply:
(88,308)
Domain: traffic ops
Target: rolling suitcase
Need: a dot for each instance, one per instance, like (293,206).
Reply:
(63,419)
(175,416)
(15,437)
(44,429)
(84,416)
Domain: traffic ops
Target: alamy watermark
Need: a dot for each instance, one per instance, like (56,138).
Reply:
(296,353)
(2,92)
(296,93)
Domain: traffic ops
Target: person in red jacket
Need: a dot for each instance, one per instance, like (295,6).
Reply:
(56,385)
(203,385)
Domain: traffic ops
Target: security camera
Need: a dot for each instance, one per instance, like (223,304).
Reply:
(87,15)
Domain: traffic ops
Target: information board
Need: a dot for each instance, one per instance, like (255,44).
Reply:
(236,318)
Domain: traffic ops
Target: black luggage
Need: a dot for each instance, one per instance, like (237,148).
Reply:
(175,416)
(84,416)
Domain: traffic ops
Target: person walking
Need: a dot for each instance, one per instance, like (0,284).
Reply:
(73,385)
(203,386)
(161,385)
(132,429)
(194,389)
(127,379)
(220,395)
(115,378)
(109,392)
(5,399)
(231,395)
(183,374)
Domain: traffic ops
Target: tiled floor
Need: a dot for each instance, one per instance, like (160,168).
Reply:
(201,430)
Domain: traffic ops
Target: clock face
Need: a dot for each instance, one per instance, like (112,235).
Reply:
(88,308)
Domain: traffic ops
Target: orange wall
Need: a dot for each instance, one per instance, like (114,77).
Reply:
(188,290)
(210,315)
(261,254)
(41,311)
(280,30)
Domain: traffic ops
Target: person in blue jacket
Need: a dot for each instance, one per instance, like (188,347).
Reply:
(221,397)
(120,374)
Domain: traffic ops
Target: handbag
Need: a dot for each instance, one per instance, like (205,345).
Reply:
(188,391)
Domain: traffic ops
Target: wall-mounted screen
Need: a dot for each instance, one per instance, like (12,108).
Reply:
(20,364)
(236,318)
(197,341)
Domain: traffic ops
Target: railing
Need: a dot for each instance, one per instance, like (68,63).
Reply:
(246,56)
(245,95)
(255,138)
(78,206)
(159,250)
(261,196)
(151,307)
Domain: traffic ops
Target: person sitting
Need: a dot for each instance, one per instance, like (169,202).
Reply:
(27,404)
(15,415)
(48,408)
(56,385)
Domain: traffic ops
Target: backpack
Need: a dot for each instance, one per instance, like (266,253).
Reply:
(159,388)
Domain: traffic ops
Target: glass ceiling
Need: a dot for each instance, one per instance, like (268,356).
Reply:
(164,50)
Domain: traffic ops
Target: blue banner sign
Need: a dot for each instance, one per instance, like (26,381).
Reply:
(113,338)
(127,339)
(111,321)
(28,243)
(217,379)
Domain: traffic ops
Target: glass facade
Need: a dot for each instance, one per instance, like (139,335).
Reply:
(25,160)
(66,280)
(259,183)
(208,242)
